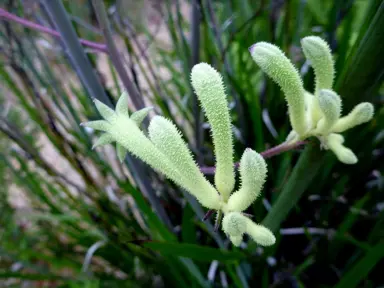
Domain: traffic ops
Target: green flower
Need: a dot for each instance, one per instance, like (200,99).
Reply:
(317,114)
(166,152)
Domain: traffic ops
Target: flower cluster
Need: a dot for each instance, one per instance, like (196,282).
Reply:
(165,151)
(315,114)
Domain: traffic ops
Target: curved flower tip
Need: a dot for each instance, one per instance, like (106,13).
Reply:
(277,66)
(317,51)
(335,143)
(250,49)
(260,234)
(236,224)
(362,113)
(236,240)
(263,52)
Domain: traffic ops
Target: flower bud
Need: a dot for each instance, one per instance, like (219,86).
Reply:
(209,88)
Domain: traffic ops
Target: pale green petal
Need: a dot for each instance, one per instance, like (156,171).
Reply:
(121,152)
(236,240)
(234,224)
(330,105)
(139,115)
(344,154)
(209,88)
(311,106)
(101,125)
(317,51)
(260,234)
(168,140)
(106,112)
(360,114)
(122,105)
(253,172)
(103,140)
(277,66)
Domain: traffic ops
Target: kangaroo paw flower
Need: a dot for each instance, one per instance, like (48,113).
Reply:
(166,152)
(315,114)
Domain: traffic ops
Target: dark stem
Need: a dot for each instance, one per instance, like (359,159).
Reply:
(266,154)
(218,220)
(5,15)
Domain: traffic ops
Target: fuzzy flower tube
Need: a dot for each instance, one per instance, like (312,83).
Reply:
(165,151)
(317,114)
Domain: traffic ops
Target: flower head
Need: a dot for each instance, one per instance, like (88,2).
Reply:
(317,114)
(165,151)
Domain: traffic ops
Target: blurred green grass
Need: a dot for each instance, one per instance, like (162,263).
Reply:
(150,232)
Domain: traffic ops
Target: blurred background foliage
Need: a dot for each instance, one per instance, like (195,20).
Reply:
(73,217)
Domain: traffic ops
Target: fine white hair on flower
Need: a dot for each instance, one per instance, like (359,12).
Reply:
(317,114)
(165,151)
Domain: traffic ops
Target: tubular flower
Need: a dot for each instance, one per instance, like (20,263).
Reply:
(165,151)
(317,114)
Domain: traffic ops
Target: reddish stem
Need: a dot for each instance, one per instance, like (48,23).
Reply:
(266,154)
(208,214)
(11,17)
